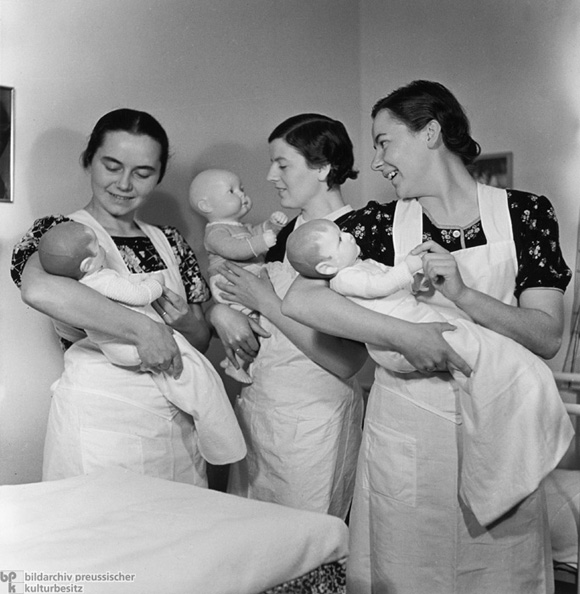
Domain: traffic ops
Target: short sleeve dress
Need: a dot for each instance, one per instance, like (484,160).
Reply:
(408,524)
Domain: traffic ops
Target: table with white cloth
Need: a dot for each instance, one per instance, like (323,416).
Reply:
(119,532)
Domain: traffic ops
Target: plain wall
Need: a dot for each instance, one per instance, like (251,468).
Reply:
(219,75)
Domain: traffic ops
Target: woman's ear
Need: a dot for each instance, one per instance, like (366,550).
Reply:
(323,172)
(433,133)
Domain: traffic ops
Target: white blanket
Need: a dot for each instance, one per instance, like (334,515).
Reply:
(171,536)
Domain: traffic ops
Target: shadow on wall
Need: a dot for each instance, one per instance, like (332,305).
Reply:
(60,184)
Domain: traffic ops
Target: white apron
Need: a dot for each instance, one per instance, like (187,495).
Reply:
(410,532)
(302,425)
(102,415)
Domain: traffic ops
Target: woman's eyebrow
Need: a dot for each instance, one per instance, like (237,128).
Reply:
(117,162)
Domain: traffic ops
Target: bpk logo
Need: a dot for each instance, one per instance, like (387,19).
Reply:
(12,581)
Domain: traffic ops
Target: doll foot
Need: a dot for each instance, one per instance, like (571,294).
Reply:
(240,375)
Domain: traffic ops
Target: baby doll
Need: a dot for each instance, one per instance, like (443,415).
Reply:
(513,424)
(219,197)
(71,249)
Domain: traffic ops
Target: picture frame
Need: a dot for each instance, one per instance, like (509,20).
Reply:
(6,144)
(494,169)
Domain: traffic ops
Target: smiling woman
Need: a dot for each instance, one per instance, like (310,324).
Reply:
(103,414)
(486,253)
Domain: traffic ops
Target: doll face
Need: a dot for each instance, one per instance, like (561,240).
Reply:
(98,259)
(124,171)
(338,248)
(296,182)
(227,198)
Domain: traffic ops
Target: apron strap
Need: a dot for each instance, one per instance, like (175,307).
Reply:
(407,227)
(494,212)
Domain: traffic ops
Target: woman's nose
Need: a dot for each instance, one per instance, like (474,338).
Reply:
(377,161)
(124,182)
(272,177)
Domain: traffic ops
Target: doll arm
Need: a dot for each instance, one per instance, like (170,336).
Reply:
(371,280)
(221,242)
(276,222)
(115,287)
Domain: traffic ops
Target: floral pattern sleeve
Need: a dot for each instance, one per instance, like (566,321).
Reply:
(372,227)
(536,235)
(28,245)
(196,287)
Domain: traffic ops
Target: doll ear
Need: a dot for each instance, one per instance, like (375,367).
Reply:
(326,268)
(86,264)
(204,206)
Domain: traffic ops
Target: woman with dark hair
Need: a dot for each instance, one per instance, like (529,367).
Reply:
(104,415)
(302,415)
(494,255)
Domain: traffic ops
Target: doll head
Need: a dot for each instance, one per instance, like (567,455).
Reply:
(71,249)
(319,249)
(218,195)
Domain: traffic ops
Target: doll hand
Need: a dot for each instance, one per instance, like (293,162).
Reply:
(278,218)
(269,238)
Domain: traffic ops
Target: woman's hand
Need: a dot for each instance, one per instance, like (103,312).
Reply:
(188,319)
(426,349)
(536,322)
(158,350)
(243,287)
(237,332)
(172,308)
(441,268)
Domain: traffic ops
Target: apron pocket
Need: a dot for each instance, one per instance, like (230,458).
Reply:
(390,463)
(103,449)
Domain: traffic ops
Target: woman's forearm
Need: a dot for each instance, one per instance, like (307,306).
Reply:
(69,301)
(313,303)
(196,329)
(423,345)
(340,356)
(536,324)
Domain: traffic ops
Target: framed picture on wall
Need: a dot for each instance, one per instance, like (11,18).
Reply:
(6,144)
(494,169)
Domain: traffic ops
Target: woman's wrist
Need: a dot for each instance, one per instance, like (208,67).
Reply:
(269,305)
(195,329)
(466,300)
